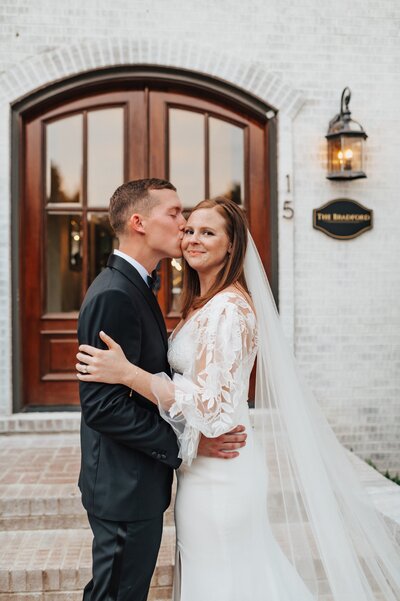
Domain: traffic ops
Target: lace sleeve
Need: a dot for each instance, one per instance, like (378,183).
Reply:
(205,398)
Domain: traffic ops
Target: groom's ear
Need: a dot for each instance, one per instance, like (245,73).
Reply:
(135,223)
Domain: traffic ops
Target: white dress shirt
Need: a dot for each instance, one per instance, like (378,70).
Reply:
(143,272)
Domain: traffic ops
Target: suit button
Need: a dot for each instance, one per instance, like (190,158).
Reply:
(158,456)
(154,453)
(163,456)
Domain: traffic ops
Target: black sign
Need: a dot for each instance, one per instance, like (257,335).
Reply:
(342,218)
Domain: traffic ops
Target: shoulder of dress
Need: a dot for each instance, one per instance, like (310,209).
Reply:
(233,297)
(227,302)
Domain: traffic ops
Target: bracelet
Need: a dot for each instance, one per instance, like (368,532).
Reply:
(134,378)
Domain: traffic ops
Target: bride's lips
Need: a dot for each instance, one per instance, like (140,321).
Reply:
(195,252)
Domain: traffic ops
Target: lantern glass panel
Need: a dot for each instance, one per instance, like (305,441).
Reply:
(335,148)
(352,154)
(345,155)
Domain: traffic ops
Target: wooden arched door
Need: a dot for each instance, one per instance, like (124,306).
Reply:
(76,154)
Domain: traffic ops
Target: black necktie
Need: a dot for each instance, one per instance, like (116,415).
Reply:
(151,282)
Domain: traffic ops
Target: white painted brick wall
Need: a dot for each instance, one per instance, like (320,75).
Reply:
(339,298)
(5,266)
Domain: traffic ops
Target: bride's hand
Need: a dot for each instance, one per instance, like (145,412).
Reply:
(109,366)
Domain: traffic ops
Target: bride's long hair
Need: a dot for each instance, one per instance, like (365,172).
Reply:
(232,272)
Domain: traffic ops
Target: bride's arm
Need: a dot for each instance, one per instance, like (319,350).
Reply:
(112,367)
(205,397)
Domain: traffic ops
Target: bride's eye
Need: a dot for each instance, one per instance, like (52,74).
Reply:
(187,231)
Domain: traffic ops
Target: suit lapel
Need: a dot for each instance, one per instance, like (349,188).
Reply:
(116,262)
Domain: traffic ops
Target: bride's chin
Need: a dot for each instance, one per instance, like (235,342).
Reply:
(191,264)
(188,258)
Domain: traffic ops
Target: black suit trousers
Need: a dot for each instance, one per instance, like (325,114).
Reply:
(124,559)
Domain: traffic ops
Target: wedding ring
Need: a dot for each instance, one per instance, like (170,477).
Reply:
(85,369)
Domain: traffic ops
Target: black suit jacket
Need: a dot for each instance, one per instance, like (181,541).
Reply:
(128,450)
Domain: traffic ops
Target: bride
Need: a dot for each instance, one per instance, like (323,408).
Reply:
(287,520)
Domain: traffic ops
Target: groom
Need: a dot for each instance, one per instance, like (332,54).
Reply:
(129,452)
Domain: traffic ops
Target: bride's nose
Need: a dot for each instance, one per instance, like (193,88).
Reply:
(194,239)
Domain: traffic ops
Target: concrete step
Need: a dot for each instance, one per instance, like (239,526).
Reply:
(56,564)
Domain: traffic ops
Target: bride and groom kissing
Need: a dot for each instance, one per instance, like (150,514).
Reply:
(152,405)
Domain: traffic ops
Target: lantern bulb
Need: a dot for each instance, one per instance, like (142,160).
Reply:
(348,154)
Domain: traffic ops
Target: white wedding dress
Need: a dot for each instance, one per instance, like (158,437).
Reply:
(225,547)
(288,520)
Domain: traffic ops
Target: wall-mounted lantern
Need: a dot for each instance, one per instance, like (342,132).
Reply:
(345,144)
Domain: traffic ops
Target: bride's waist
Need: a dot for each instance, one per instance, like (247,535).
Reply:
(242,418)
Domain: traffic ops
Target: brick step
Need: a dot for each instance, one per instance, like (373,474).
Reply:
(41,422)
(50,506)
(157,593)
(55,565)
(38,482)
(74,596)
(39,507)
(37,563)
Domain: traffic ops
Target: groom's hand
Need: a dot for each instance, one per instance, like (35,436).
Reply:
(225,446)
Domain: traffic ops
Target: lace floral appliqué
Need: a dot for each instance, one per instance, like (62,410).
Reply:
(214,353)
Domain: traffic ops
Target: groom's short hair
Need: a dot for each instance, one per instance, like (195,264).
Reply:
(134,197)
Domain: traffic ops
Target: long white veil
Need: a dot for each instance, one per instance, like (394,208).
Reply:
(319,512)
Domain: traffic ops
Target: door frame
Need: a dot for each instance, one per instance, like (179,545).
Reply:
(127,77)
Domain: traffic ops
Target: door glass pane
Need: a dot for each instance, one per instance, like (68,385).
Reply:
(176,285)
(64,160)
(101,243)
(105,155)
(186,155)
(226,160)
(64,263)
